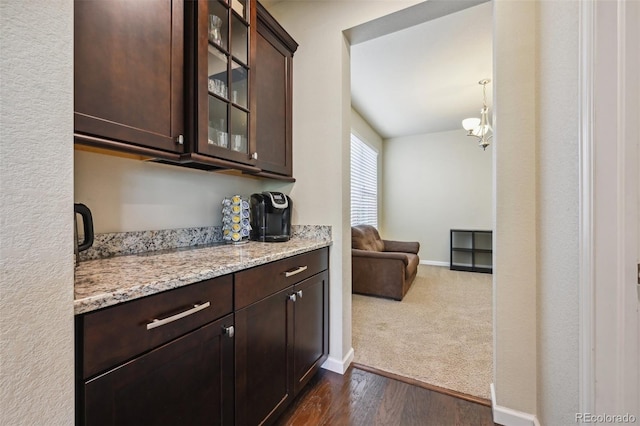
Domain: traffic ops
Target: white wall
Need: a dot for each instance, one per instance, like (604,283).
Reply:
(131,195)
(433,183)
(515,227)
(557,212)
(536,276)
(36,197)
(363,130)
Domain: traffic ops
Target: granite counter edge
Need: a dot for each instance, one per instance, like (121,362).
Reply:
(103,300)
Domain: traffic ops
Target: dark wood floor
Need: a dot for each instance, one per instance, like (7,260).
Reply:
(362,398)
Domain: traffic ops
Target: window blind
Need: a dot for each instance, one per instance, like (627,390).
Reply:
(364,183)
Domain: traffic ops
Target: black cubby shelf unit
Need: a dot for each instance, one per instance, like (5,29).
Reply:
(471,250)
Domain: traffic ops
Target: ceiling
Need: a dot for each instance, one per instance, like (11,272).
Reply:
(424,79)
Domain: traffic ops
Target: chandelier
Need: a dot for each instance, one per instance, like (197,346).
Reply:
(480,127)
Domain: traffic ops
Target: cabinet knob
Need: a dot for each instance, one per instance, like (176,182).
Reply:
(229,331)
(299,293)
(180,140)
(292,297)
(254,156)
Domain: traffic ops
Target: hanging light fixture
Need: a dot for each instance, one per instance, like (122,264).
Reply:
(480,127)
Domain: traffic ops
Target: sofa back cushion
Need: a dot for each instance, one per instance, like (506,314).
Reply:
(366,237)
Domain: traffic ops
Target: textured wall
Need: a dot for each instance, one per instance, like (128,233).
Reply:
(433,183)
(130,195)
(558,209)
(515,253)
(36,196)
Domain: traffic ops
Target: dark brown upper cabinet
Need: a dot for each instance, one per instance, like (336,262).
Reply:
(129,75)
(220,103)
(273,93)
(205,84)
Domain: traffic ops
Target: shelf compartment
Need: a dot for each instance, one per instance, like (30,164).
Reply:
(239,39)
(483,240)
(462,239)
(218,21)
(239,85)
(471,250)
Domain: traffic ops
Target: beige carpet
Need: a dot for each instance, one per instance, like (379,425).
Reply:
(440,334)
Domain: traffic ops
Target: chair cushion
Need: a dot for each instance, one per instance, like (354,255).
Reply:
(366,237)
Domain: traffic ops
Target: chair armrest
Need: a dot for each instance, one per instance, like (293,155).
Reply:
(402,246)
(380,255)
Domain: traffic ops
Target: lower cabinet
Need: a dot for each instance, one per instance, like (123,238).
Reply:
(188,381)
(165,359)
(310,328)
(281,339)
(263,382)
(232,350)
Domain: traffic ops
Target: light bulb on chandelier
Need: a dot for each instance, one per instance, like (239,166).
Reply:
(480,127)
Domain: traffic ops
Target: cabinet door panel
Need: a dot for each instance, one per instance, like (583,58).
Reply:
(273,115)
(262,359)
(310,328)
(218,90)
(128,71)
(187,381)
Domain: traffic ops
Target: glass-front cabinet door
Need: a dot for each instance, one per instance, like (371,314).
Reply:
(223,82)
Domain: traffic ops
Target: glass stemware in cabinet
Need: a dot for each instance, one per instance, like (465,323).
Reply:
(215,36)
(239,130)
(218,24)
(218,81)
(239,85)
(218,134)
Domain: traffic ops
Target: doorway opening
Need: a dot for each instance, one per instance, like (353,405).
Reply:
(410,91)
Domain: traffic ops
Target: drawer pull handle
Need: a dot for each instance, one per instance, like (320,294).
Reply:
(160,322)
(299,293)
(295,271)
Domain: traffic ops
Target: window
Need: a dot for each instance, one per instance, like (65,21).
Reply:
(364,183)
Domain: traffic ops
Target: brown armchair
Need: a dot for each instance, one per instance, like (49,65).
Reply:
(381,267)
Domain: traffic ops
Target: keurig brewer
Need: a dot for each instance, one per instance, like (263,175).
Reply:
(270,217)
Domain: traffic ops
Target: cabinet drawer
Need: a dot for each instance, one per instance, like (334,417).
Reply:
(257,283)
(118,333)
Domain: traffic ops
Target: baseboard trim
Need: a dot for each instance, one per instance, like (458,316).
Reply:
(434,263)
(424,385)
(339,366)
(508,417)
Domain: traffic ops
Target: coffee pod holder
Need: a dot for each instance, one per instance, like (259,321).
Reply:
(235,220)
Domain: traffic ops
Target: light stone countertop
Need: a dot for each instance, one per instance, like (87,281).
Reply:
(106,282)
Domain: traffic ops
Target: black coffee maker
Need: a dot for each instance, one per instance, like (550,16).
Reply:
(270,217)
